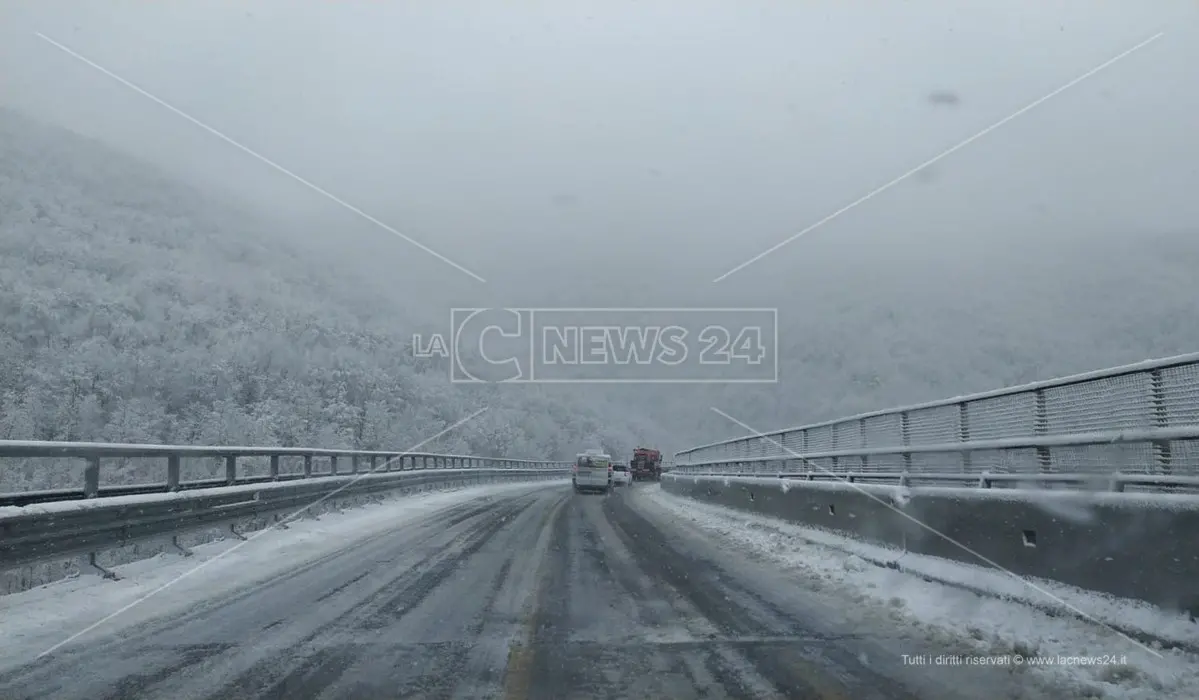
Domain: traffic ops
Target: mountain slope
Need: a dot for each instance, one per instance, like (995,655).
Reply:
(137,309)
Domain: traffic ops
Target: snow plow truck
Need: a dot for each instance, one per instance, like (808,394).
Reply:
(646,464)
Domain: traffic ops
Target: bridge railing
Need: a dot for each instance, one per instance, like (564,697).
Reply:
(316,463)
(1133,427)
(43,525)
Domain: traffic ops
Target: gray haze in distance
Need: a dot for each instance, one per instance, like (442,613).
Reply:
(661,143)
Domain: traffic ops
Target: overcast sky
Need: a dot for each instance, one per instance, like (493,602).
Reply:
(661,140)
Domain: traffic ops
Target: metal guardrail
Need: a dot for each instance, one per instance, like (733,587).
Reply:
(92,453)
(42,525)
(1090,482)
(1138,423)
(55,530)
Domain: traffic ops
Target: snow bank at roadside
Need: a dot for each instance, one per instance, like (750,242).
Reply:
(980,623)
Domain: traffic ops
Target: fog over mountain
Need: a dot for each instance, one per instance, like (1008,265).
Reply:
(577,154)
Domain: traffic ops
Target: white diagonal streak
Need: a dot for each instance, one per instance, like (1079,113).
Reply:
(258,534)
(251,152)
(874,193)
(965,548)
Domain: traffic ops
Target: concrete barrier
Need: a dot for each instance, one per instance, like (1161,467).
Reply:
(1140,546)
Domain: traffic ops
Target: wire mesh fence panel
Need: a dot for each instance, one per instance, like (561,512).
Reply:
(1123,420)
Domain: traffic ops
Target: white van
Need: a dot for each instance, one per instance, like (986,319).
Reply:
(621,476)
(592,472)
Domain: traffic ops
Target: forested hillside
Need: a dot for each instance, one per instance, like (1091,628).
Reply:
(136,309)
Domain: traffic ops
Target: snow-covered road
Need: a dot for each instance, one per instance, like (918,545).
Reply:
(523,591)
(38,619)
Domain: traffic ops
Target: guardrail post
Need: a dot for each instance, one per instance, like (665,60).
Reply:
(179,546)
(89,562)
(307,466)
(91,478)
(333,465)
(835,446)
(173,472)
(274,467)
(964,433)
(862,434)
(905,435)
(230,470)
(1041,427)
(374,462)
(1161,419)
(354,464)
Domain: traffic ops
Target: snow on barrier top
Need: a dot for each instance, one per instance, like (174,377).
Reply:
(44,531)
(39,448)
(1137,423)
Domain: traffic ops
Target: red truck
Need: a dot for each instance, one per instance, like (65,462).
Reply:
(646,464)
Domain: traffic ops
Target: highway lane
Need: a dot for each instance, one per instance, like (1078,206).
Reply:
(543,594)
